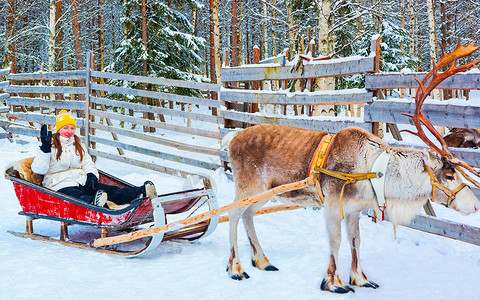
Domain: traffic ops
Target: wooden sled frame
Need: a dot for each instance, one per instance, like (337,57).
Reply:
(141,211)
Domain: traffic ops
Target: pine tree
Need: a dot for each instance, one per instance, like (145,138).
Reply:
(171,48)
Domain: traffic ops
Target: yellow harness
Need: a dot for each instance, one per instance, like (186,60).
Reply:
(317,168)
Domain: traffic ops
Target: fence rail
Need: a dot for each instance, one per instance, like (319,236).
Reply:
(466,80)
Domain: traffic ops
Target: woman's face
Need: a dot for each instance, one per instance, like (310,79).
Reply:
(67,131)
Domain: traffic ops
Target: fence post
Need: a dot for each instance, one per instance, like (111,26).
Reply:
(256,84)
(87,101)
(375,48)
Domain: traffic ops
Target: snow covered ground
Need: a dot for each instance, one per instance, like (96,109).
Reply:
(415,265)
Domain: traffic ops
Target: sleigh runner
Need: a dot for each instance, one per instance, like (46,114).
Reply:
(38,202)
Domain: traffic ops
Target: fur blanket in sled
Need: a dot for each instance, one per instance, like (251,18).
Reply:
(23,167)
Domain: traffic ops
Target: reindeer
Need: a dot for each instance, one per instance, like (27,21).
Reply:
(266,156)
(463,138)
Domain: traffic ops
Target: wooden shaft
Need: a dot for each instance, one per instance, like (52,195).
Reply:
(201,217)
(266,210)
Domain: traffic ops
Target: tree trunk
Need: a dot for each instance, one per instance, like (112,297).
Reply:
(77,44)
(326,46)
(215,64)
(290,29)
(265,32)
(51,37)
(411,23)
(101,34)
(10,29)
(432,40)
(234,34)
(447,93)
(125,35)
(146,115)
(59,37)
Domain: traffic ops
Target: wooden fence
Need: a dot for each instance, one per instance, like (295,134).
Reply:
(3,97)
(287,76)
(112,127)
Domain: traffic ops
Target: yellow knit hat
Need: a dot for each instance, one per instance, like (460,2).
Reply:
(64,118)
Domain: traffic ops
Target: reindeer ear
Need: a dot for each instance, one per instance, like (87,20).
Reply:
(432,159)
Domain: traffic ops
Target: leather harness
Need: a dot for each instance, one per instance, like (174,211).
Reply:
(376,176)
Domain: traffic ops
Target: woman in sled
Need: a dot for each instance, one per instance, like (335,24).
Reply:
(69,169)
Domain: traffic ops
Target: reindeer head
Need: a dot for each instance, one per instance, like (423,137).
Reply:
(447,178)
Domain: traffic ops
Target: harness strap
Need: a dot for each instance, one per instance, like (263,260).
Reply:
(451,194)
(317,169)
(349,178)
(318,161)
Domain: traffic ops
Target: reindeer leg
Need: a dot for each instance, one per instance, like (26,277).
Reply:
(259,259)
(234,268)
(332,282)
(357,277)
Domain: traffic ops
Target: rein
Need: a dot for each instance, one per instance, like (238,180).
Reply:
(451,194)
(317,168)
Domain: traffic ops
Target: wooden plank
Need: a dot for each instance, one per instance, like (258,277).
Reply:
(59,104)
(157,154)
(155,95)
(142,164)
(4,109)
(451,115)
(326,68)
(407,80)
(155,139)
(45,89)
(4,84)
(351,96)
(157,110)
(468,155)
(152,123)
(327,125)
(42,119)
(4,71)
(225,131)
(23,131)
(61,75)
(4,135)
(446,228)
(4,96)
(159,80)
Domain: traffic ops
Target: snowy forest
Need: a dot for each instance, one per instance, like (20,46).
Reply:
(187,38)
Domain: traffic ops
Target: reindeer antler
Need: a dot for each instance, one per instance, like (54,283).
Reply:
(419,117)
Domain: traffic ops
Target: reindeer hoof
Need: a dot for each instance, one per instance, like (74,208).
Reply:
(370,284)
(237,276)
(366,283)
(240,277)
(339,289)
(271,268)
(267,268)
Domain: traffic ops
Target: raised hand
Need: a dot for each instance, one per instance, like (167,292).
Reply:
(46,139)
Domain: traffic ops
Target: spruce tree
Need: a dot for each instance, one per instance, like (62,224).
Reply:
(171,48)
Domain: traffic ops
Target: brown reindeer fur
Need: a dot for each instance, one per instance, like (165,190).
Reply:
(266,156)
(463,138)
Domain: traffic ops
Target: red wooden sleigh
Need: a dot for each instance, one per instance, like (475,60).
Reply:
(38,202)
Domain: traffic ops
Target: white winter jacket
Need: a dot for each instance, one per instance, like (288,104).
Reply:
(68,170)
